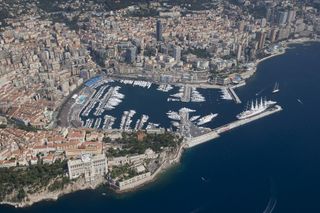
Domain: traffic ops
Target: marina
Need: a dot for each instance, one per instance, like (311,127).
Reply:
(182,121)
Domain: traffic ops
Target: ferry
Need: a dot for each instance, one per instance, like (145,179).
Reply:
(256,108)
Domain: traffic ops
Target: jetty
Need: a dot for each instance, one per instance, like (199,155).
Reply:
(186,96)
(234,95)
(215,133)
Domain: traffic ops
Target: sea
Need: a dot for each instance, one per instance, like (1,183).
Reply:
(270,165)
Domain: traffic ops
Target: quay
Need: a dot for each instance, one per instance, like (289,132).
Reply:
(215,133)
(233,95)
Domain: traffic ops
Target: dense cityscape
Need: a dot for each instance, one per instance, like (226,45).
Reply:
(56,57)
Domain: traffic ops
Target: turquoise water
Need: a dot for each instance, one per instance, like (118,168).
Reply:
(276,157)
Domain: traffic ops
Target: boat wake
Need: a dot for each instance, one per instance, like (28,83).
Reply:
(273,198)
(196,210)
(261,91)
(203,179)
(271,205)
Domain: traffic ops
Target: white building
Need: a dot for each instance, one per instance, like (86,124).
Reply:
(134,181)
(88,166)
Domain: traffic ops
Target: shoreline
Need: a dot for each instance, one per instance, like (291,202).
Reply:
(79,185)
(168,163)
(286,44)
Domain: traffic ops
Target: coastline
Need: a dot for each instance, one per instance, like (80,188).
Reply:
(81,185)
(249,74)
(286,46)
(168,163)
(45,195)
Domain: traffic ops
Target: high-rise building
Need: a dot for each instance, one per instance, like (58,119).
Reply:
(241,26)
(131,55)
(282,17)
(291,16)
(263,22)
(177,53)
(159,30)
(239,52)
(273,34)
(261,39)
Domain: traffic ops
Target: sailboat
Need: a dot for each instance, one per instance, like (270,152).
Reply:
(276,88)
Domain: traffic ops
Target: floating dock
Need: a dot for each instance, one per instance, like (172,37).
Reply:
(215,133)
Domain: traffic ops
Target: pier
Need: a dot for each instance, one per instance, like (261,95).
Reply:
(202,139)
(233,95)
(186,96)
(215,133)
